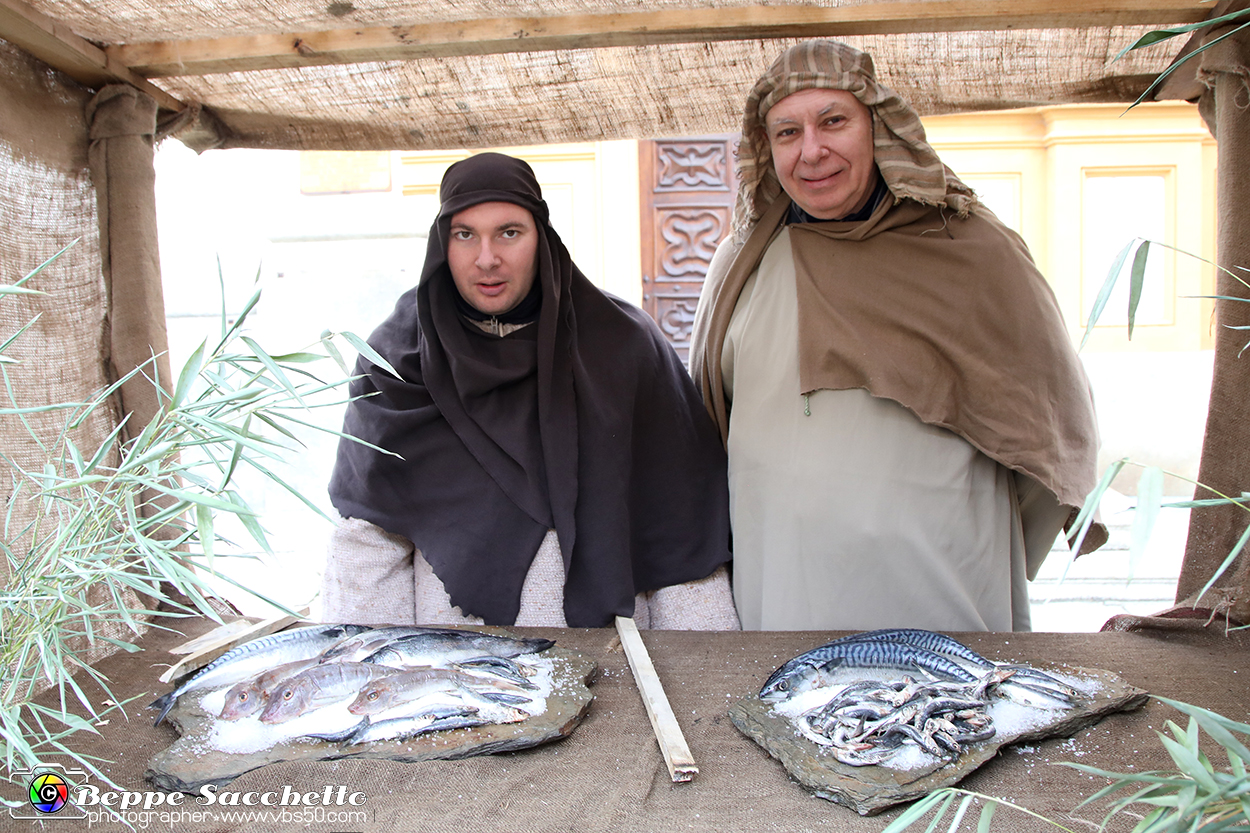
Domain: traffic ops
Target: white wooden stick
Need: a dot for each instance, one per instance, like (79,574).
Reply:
(215,649)
(681,765)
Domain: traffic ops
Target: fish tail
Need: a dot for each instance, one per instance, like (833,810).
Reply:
(165,702)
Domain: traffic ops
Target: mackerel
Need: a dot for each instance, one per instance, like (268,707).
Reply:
(363,644)
(257,656)
(807,671)
(940,643)
(441,648)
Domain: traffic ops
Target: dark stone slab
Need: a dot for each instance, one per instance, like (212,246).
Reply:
(870,789)
(192,762)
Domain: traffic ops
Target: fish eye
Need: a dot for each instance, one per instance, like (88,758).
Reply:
(372,695)
(288,694)
(242,696)
(784,685)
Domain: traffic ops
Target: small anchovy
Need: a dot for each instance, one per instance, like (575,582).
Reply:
(256,656)
(452,646)
(806,671)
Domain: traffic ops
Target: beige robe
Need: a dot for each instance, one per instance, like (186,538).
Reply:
(848,511)
(373,577)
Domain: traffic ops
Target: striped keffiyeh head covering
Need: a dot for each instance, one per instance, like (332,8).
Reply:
(910,167)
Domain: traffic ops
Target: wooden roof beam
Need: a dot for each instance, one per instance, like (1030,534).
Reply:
(536,34)
(52,42)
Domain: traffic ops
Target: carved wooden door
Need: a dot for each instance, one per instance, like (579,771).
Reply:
(688,191)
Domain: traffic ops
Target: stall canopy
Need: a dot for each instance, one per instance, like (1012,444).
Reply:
(439,74)
(87,86)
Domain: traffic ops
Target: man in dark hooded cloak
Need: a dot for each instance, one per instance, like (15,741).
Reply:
(539,456)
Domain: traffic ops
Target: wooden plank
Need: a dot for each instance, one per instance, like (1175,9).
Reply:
(56,45)
(681,765)
(232,639)
(536,34)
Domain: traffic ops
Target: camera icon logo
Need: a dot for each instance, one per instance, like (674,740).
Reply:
(49,793)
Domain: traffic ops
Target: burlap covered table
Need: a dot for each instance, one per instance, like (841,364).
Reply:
(610,776)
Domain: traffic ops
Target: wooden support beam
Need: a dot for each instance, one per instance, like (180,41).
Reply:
(57,46)
(537,34)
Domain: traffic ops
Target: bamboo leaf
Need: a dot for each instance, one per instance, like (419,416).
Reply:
(327,342)
(228,332)
(299,358)
(1137,277)
(1149,501)
(1149,91)
(190,372)
(1085,518)
(204,523)
(1187,761)
(1225,564)
(1159,35)
(918,810)
(48,262)
(363,348)
(987,816)
(1104,293)
(959,813)
(272,367)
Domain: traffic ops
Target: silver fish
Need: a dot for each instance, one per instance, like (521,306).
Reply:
(408,727)
(452,646)
(362,645)
(257,656)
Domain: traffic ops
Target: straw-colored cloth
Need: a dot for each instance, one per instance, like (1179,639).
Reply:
(375,577)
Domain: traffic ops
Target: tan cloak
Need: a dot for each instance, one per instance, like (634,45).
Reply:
(947,316)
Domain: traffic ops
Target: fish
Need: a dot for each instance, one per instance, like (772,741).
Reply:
(942,644)
(408,727)
(865,722)
(808,671)
(319,686)
(442,648)
(939,643)
(356,648)
(257,656)
(392,692)
(501,667)
(251,696)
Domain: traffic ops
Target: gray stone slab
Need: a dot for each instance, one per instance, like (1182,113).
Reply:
(870,789)
(192,761)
